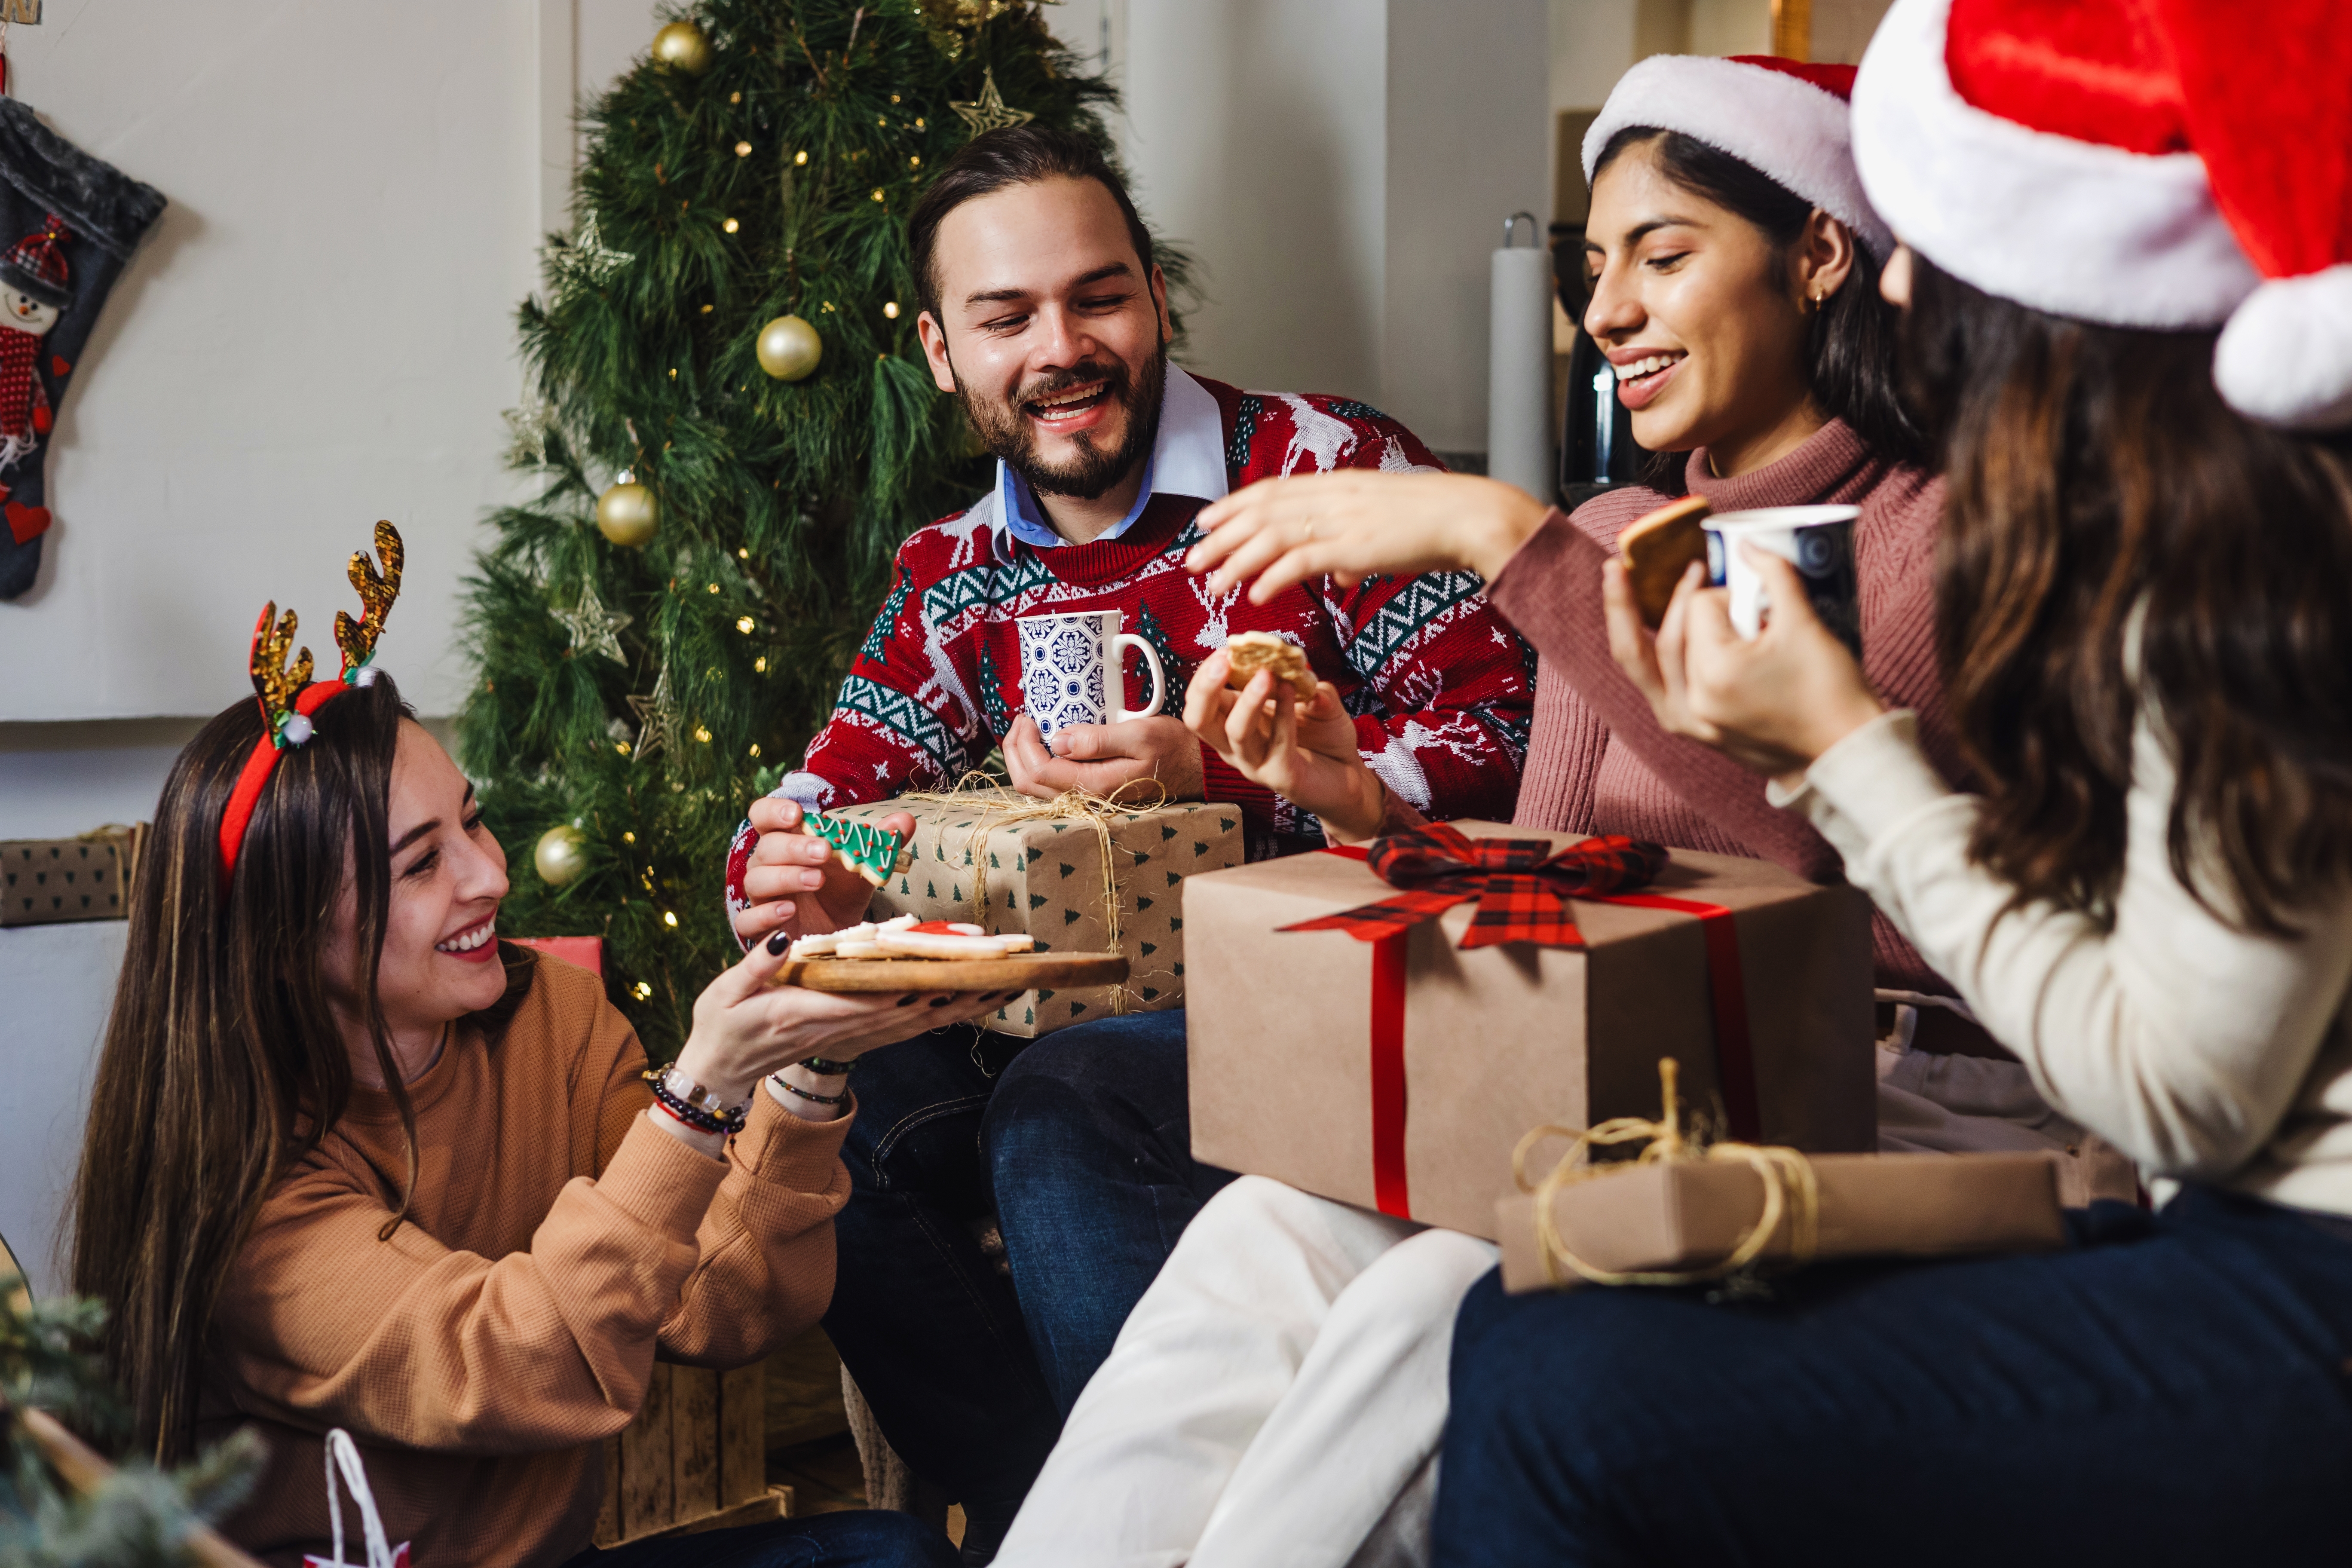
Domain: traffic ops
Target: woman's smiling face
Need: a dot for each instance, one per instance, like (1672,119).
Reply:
(440,951)
(1702,316)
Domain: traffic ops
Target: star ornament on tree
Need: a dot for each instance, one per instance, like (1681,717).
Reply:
(657,718)
(989,112)
(589,257)
(594,629)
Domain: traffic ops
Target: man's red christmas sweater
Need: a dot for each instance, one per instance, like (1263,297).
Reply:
(1441,689)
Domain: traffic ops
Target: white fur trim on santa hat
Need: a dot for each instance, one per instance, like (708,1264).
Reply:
(1781,124)
(2285,357)
(2130,240)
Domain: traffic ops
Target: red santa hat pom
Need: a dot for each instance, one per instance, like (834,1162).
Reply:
(1783,118)
(2152,163)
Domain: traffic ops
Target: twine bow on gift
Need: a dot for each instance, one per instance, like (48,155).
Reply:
(1790,1190)
(1522,886)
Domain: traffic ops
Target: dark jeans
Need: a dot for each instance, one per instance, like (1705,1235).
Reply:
(1080,1145)
(858,1540)
(2170,1389)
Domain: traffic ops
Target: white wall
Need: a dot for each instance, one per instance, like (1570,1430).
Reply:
(1340,168)
(317,335)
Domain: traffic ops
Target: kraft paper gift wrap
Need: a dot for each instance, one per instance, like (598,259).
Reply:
(1399,1075)
(1047,878)
(45,882)
(1689,1213)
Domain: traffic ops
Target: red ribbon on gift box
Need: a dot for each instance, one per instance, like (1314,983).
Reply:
(1450,867)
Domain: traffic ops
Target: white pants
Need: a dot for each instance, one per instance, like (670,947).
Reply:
(1275,1398)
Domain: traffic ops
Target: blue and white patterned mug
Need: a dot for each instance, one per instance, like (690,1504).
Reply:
(1070,664)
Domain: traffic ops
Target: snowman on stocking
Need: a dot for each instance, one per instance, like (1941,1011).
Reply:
(34,293)
(70,224)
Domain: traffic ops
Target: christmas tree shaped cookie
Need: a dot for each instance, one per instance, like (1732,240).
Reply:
(865,848)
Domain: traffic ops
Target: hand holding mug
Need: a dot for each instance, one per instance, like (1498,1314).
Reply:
(1773,702)
(1103,759)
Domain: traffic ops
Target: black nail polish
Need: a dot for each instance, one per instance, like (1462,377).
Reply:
(906,1001)
(941,1001)
(778,942)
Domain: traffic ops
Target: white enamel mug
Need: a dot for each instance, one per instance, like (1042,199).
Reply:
(1817,540)
(1071,665)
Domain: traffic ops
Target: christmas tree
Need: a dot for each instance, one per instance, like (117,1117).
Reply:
(662,628)
(135,1517)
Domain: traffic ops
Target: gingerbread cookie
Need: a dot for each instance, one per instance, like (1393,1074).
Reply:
(1249,652)
(1658,548)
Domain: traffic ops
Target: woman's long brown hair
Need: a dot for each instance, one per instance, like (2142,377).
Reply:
(224,1063)
(2095,477)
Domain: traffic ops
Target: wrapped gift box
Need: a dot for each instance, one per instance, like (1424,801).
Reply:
(1688,1215)
(45,882)
(1399,1075)
(972,859)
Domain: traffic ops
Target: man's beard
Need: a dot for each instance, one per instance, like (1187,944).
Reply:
(1006,433)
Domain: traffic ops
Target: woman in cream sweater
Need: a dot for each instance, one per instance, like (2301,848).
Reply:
(2147,630)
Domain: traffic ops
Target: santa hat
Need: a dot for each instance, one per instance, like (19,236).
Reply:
(2153,163)
(35,265)
(1785,119)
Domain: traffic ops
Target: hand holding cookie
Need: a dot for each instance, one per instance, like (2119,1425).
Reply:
(1351,523)
(796,881)
(1303,750)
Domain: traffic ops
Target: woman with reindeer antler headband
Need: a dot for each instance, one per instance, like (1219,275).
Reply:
(355,1162)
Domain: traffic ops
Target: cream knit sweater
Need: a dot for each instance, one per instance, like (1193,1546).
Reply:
(2205,1052)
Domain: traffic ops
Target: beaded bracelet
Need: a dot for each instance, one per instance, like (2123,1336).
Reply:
(699,1108)
(789,1087)
(823,1068)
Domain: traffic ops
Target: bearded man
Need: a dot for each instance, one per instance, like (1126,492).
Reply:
(1044,314)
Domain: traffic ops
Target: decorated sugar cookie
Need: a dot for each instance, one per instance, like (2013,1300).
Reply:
(951,939)
(865,848)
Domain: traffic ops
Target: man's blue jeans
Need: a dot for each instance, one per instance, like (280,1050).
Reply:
(2172,1389)
(859,1539)
(1080,1145)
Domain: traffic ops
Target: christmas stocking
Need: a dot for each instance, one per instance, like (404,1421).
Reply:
(68,223)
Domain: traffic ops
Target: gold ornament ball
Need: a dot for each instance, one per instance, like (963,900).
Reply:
(561,854)
(788,348)
(682,47)
(628,513)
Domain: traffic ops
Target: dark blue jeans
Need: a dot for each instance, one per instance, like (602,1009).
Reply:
(858,1540)
(2170,1389)
(1080,1145)
(1089,1141)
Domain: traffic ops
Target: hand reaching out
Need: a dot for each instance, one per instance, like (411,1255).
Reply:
(1351,523)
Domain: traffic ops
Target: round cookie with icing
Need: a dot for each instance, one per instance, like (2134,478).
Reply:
(952,940)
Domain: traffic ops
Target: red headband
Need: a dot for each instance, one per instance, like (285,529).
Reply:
(287,694)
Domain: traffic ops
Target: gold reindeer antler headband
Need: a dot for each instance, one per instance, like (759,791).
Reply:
(287,693)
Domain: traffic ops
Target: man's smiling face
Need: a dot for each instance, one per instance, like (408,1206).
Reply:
(1049,333)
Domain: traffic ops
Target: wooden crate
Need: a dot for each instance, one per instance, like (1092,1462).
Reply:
(694,1459)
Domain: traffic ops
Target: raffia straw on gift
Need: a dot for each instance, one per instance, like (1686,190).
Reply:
(1789,1188)
(1070,805)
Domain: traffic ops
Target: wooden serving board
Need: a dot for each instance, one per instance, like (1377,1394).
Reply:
(1014,972)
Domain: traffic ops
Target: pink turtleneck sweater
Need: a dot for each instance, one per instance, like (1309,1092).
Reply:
(1598,762)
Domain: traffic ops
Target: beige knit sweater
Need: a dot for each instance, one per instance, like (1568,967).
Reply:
(556,1237)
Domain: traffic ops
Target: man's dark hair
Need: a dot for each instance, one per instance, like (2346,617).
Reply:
(1016,155)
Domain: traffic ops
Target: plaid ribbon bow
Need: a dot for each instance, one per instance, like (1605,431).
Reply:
(1522,888)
